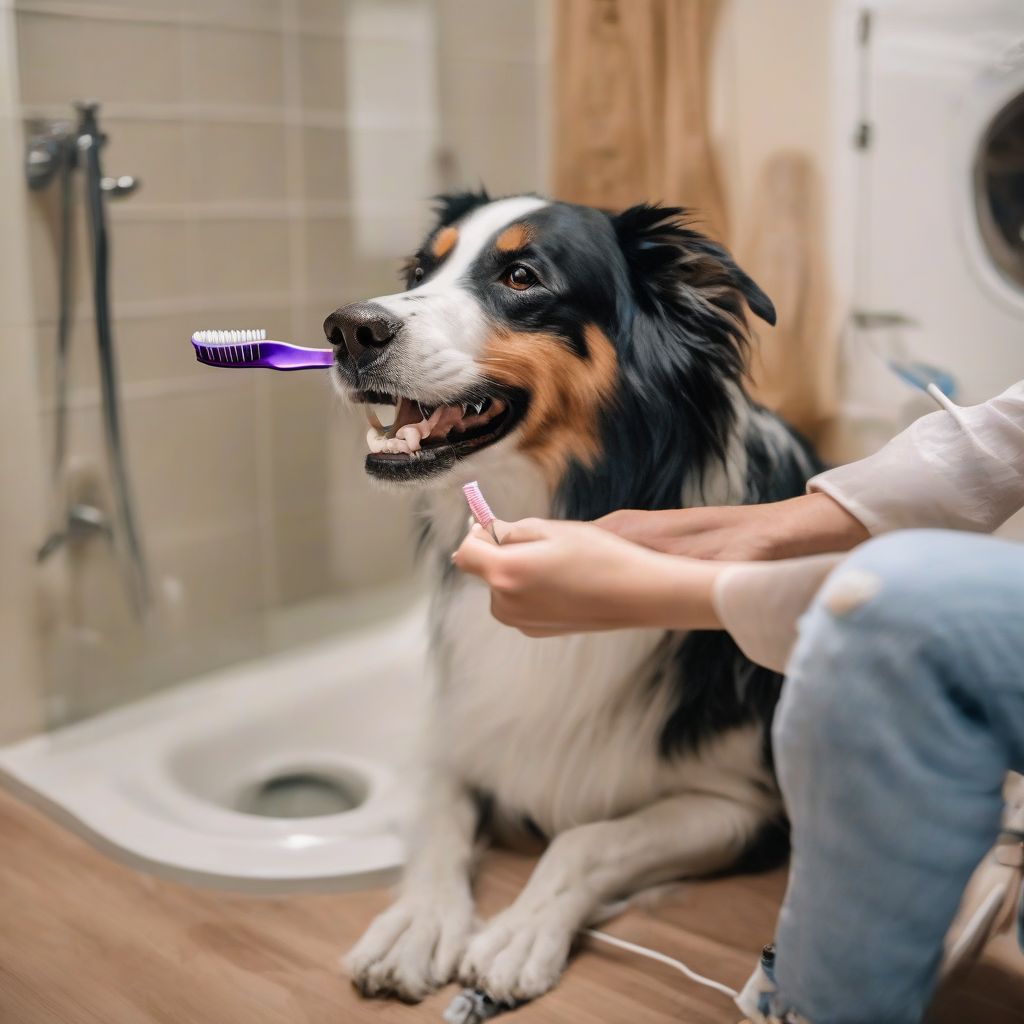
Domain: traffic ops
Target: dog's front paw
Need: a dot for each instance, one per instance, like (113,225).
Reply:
(413,947)
(519,955)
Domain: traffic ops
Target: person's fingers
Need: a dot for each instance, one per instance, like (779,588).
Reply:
(522,531)
(477,554)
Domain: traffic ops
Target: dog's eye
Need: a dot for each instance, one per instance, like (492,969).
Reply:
(519,277)
(417,274)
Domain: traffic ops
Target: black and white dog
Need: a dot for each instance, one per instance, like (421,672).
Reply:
(574,362)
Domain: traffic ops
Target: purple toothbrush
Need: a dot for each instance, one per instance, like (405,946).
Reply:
(251,348)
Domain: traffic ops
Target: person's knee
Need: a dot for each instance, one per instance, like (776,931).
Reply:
(892,629)
(875,612)
(901,580)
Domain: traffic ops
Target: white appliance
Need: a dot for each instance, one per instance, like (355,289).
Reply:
(929,207)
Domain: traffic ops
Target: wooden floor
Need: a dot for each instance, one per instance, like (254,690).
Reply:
(85,940)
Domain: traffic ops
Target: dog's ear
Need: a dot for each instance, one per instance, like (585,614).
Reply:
(453,206)
(663,253)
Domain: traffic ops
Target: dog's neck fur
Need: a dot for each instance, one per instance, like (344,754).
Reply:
(511,482)
(515,487)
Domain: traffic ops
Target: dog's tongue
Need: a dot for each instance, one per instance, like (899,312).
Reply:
(406,412)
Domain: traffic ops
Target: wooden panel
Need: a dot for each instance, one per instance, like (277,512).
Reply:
(630,105)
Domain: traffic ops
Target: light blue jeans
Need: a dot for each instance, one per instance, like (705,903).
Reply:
(901,714)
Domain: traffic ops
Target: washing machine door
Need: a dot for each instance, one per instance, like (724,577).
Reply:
(999,191)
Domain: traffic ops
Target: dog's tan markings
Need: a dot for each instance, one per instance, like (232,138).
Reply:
(444,242)
(514,238)
(566,392)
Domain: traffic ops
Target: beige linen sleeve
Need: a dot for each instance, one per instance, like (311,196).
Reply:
(961,468)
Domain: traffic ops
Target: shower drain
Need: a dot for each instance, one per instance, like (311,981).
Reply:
(302,794)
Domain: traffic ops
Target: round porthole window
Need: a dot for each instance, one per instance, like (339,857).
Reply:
(999,191)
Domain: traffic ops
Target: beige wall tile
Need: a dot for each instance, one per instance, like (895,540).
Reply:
(504,153)
(303,566)
(148,260)
(152,151)
(64,59)
(158,348)
(494,29)
(193,457)
(21,452)
(389,77)
(300,406)
(234,66)
(320,14)
(44,246)
(236,162)
(328,258)
(261,12)
(325,164)
(207,613)
(503,95)
(195,460)
(149,349)
(505,162)
(323,73)
(240,256)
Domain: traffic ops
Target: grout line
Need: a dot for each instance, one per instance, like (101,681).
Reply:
(146,390)
(197,306)
(200,19)
(137,15)
(126,110)
(270,209)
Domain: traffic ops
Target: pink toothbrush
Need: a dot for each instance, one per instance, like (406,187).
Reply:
(481,510)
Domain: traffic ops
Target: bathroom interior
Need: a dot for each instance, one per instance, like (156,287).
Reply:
(213,628)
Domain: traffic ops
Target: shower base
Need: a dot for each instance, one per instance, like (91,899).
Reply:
(283,774)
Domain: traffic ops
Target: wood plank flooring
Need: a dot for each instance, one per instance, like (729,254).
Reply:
(87,940)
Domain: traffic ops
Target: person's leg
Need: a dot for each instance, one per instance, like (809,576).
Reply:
(902,711)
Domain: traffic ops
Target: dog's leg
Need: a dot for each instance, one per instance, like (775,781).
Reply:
(415,945)
(521,952)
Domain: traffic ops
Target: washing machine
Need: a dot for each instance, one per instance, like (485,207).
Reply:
(928,203)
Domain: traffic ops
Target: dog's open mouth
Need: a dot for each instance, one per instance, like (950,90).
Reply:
(426,437)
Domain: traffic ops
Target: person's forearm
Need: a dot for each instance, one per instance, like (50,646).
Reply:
(812,524)
(807,525)
(678,594)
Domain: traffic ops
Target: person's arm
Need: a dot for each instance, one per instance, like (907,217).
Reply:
(960,468)
(809,525)
(550,577)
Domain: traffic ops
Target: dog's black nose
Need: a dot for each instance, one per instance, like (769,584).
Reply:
(361,328)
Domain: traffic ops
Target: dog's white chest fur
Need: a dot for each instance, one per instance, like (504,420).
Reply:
(564,730)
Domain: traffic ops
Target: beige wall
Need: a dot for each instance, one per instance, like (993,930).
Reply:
(20,450)
(285,149)
(770,92)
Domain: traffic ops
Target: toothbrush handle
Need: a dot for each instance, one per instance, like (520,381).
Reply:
(279,355)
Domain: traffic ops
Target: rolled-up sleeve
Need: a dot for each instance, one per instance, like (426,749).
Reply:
(961,468)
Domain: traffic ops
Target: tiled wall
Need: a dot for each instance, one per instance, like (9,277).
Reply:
(285,149)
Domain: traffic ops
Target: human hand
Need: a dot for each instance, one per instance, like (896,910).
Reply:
(808,525)
(549,577)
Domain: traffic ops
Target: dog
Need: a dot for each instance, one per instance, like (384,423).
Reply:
(575,362)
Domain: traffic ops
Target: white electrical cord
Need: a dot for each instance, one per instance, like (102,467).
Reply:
(632,947)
